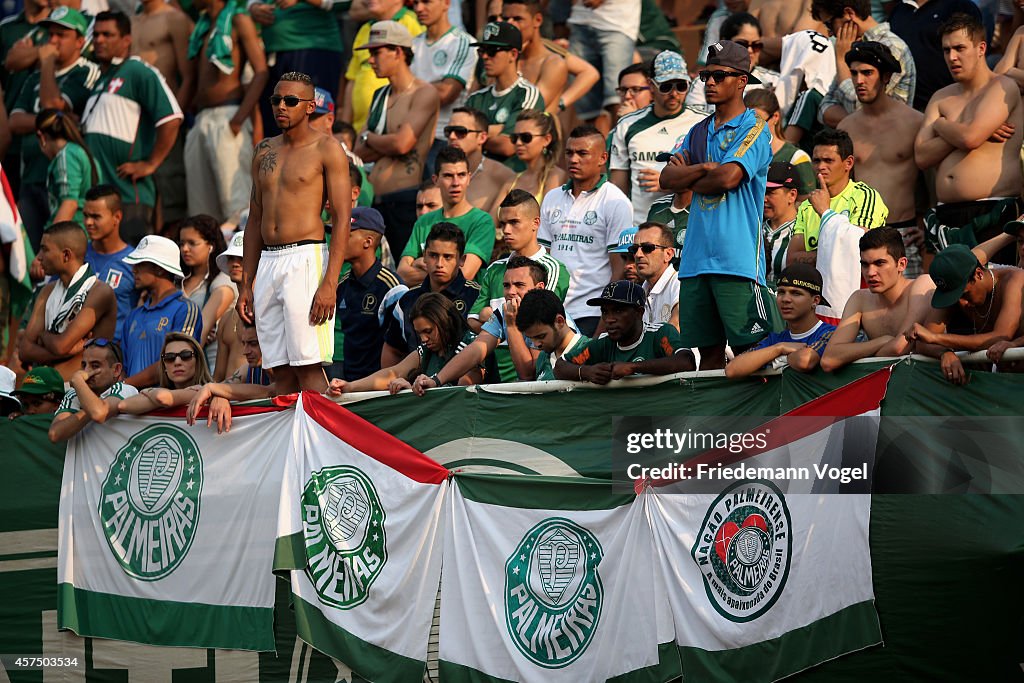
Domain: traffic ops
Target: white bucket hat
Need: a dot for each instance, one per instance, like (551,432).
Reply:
(234,249)
(158,250)
(8,402)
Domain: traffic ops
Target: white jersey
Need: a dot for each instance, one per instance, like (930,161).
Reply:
(622,16)
(450,56)
(662,297)
(580,232)
(807,58)
(635,142)
(71,404)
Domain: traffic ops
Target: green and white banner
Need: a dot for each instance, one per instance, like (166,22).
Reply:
(166,531)
(771,574)
(549,579)
(360,538)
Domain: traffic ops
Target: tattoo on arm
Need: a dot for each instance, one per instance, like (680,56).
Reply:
(268,162)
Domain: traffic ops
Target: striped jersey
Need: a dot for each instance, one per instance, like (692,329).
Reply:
(659,340)
(859,202)
(450,56)
(635,143)
(503,106)
(69,177)
(129,102)
(71,404)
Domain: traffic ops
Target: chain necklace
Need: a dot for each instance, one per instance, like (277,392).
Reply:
(991,301)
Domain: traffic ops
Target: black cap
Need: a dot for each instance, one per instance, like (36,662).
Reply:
(732,55)
(501,34)
(875,54)
(366,218)
(783,174)
(621,292)
(804,276)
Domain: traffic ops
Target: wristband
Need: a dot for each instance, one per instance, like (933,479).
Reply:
(436,380)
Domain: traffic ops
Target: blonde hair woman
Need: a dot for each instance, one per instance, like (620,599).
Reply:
(536,139)
(183,370)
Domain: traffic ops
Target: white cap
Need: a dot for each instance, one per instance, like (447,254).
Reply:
(234,249)
(7,382)
(158,250)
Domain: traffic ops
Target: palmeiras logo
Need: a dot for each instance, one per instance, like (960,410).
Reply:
(553,594)
(150,501)
(344,534)
(744,549)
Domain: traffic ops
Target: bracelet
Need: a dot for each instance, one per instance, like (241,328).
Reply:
(581,372)
(436,380)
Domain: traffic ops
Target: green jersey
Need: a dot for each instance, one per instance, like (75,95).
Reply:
(75,82)
(503,106)
(656,341)
(545,365)
(661,211)
(13,29)
(301,27)
(129,102)
(69,177)
(431,363)
(476,225)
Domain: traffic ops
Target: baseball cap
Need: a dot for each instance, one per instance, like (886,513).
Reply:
(366,218)
(323,101)
(8,401)
(387,34)
(621,292)
(68,18)
(805,276)
(670,66)
(234,249)
(951,271)
(157,250)
(41,380)
(625,240)
(501,34)
(732,55)
(783,174)
(874,53)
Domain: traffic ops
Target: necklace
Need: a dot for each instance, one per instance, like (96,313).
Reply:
(991,300)
(479,167)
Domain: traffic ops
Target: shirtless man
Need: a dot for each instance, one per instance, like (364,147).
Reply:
(292,294)
(974,306)
(779,18)
(219,144)
(490,180)
(398,132)
(883,131)
(76,305)
(544,63)
(885,310)
(160,36)
(972,132)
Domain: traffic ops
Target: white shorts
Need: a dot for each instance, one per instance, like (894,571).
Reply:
(286,281)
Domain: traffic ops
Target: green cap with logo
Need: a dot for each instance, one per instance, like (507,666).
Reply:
(41,380)
(68,18)
(951,270)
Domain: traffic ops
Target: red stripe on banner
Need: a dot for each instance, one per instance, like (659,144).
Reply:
(9,197)
(371,440)
(856,398)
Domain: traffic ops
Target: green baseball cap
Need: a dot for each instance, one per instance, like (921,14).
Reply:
(951,270)
(41,380)
(68,18)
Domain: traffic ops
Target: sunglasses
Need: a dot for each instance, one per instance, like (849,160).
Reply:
(718,76)
(750,44)
(104,343)
(459,131)
(646,247)
(668,86)
(420,207)
(491,50)
(633,90)
(185,355)
(526,138)
(289,100)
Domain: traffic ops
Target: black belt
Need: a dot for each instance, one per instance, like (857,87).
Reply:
(300,243)
(909,223)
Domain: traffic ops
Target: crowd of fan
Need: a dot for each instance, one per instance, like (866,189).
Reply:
(561,197)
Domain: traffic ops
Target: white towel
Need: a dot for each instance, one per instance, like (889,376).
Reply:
(65,303)
(838,261)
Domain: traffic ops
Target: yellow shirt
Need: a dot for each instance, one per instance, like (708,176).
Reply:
(364,81)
